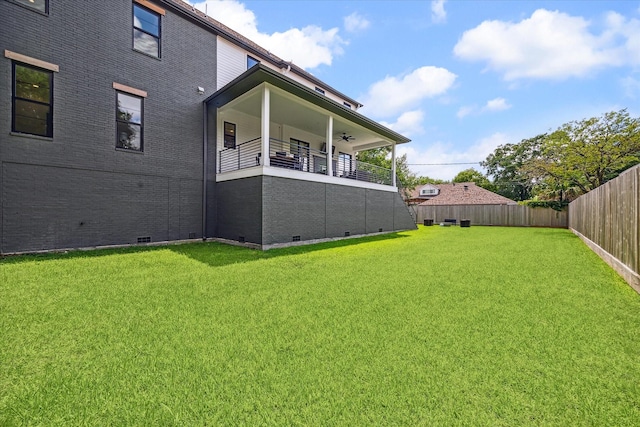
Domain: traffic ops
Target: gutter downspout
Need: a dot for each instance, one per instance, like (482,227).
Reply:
(205,163)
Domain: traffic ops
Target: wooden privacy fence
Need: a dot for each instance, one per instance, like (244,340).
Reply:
(504,215)
(607,220)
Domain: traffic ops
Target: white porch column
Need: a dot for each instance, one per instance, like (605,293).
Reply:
(393,164)
(264,126)
(329,138)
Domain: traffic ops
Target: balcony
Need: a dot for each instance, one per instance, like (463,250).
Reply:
(264,123)
(300,158)
(281,165)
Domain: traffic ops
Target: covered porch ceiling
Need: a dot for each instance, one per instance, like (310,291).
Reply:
(298,106)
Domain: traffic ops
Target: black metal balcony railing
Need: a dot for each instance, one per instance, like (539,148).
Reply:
(295,156)
(242,156)
(361,171)
(300,157)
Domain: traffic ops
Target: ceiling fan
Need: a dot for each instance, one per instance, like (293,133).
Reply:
(346,137)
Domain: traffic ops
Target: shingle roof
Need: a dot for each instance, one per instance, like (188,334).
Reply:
(463,193)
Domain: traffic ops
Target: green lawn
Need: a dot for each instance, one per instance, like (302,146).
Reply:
(438,326)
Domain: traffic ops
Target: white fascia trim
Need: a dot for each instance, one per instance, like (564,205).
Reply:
(301,176)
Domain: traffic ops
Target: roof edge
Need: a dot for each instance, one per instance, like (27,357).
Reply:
(259,74)
(233,36)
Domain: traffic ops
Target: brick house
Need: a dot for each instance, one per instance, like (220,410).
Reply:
(137,121)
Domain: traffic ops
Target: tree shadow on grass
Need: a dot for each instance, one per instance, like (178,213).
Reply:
(211,253)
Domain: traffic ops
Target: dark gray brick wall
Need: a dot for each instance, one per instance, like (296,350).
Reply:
(293,208)
(315,210)
(65,207)
(211,155)
(402,219)
(91,41)
(239,209)
(346,210)
(379,211)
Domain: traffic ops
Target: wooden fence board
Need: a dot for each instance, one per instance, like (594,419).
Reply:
(609,217)
(503,215)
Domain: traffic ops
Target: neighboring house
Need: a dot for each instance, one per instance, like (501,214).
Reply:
(463,193)
(136,121)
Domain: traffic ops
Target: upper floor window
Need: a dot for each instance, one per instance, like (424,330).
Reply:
(129,122)
(251,61)
(319,90)
(229,135)
(32,103)
(346,104)
(146,30)
(39,5)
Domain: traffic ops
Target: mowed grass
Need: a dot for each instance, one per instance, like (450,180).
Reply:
(438,326)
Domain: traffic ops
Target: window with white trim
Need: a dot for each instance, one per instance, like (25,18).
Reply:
(429,192)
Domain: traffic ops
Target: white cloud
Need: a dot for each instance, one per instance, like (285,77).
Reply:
(551,45)
(392,95)
(629,30)
(422,160)
(307,47)
(354,23)
(231,13)
(465,111)
(408,124)
(497,104)
(631,87)
(438,14)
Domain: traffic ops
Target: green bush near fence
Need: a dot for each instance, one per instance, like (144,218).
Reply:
(438,326)
(556,205)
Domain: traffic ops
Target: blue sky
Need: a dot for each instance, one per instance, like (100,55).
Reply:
(457,77)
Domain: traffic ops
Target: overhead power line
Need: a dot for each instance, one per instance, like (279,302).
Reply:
(442,164)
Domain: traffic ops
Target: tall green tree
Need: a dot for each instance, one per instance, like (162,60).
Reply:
(574,159)
(382,157)
(582,155)
(472,175)
(422,180)
(507,167)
